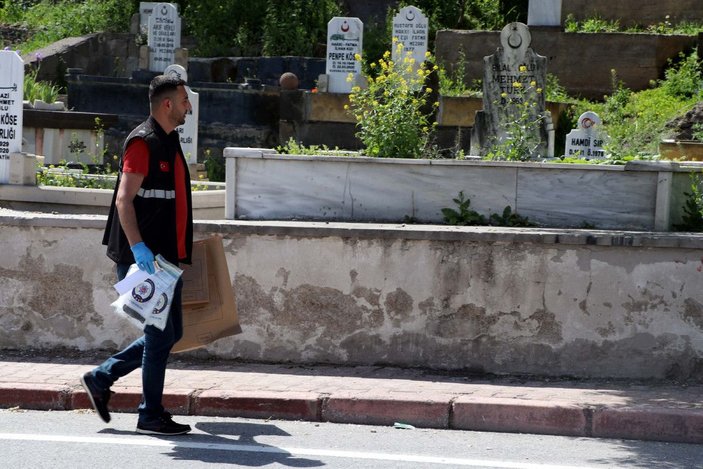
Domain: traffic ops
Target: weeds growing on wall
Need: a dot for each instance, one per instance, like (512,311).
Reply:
(464,215)
(692,218)
(597,24)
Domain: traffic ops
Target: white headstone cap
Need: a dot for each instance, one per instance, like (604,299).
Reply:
(177,71)
(588,120)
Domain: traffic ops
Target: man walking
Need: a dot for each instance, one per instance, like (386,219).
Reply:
(151,213)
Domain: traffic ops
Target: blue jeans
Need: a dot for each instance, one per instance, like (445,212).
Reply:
(151,352)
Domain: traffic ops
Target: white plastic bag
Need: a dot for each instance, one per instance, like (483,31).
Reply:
(147,298)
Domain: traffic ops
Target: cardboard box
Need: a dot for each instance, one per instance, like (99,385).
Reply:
(203,323)
(195,280)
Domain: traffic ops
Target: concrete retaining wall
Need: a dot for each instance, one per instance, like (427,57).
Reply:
(636,58)
(543,302)
(641,195)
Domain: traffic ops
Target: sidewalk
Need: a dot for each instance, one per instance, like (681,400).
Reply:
(377,396)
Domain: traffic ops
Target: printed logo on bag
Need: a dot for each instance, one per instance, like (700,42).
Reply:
(144,291)
(164,166)
(161,304)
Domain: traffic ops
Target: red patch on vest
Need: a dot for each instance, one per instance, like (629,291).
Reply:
(163,165)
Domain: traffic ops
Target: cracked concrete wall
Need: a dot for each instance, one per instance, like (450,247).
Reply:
(548,303)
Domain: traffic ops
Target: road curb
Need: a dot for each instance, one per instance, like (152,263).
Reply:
(439,411)
(646,423)
(387,410)
(287,406)
(28,396)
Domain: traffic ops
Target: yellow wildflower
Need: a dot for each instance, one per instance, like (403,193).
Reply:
(517,84)
(346,107)
(539,90)
(504,95)
(428,89)
(533,83)
(428,55)
(357,57)
(523,68)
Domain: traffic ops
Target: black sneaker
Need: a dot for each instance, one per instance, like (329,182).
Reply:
(164,425)
(99,398)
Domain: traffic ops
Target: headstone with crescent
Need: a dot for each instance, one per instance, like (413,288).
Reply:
(164,38)
(344,41)
(544,13)
(11,92)
(514,80)
(410,28)
(588,139)
(188,132)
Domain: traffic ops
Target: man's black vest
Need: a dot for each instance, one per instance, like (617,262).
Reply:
(155,203)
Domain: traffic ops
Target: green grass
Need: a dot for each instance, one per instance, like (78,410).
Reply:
(51,21)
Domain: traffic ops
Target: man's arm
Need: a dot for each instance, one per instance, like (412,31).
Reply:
(129,186)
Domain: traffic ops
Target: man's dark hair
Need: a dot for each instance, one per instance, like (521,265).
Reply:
(162,85)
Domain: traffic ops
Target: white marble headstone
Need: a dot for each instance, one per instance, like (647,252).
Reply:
(145,9)
(344,40)
(544,13)
(11,93)
(410,27)
(188,132)
(164,36)
(588,139)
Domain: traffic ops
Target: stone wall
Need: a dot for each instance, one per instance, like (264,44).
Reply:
(540,302)
(107,54)
(582,62)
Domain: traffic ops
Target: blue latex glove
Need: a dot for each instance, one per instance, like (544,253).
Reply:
(143,257)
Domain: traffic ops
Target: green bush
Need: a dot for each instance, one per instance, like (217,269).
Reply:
(225,28)
(391,113)
(297,27)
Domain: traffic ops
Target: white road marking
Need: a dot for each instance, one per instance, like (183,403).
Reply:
(156,442)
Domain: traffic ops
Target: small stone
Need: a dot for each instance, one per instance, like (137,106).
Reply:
(289,81)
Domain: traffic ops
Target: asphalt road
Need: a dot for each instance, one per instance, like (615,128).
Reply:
(78,439)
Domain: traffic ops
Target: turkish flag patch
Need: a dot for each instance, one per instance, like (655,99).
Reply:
(163,165)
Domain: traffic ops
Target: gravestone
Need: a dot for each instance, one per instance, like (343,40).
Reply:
(588,139)
(544,13)
(513,95)
(188,132)
(145,10)
(164,36)
(11,93)
(410,28)
(344,41)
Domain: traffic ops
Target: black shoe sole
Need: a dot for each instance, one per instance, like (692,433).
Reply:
(144,431)
(92,401)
